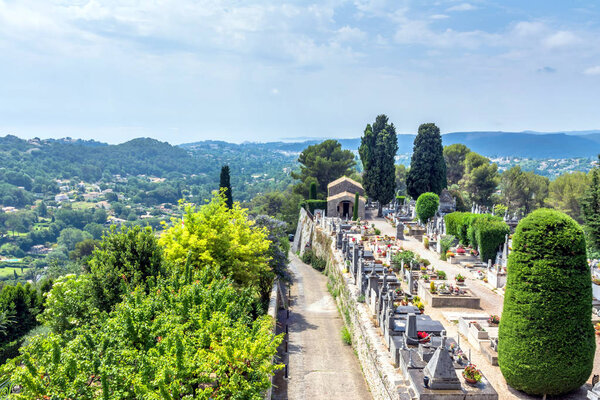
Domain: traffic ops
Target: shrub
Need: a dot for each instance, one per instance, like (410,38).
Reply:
(453,222)
(405,257)
(445,243)
(490,235)
(432,287)
(427,205)
(309,257)
(313,205)
(355,208)
(441,275)
(426,242)
(546,337)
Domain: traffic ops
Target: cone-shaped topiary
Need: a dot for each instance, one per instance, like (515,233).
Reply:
(546,338)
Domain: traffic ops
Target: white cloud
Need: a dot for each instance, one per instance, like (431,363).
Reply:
(349,34)
(274,91)
(439,16)
(462,7)
(560,39)
(420,32)
(592,70)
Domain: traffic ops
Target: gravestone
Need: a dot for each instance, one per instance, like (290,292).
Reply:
(340,236)
(411,327)
(440,370)
(400,231)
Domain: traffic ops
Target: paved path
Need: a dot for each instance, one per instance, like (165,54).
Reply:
(321,366)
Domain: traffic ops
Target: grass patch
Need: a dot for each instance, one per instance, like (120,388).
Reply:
(346,337)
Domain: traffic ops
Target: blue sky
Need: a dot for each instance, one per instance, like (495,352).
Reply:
(183,70)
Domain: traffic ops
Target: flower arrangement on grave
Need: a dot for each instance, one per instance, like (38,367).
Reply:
(596,281)
(494,320)
(420,306)
(423,337)
(473,252)
(432,288)
(426,278)
(459,278)
(485,279)
(450,254)
(597,328)
(453,347)
(460,250)
(441,274)
(398,291)
(423,268)
(471,374)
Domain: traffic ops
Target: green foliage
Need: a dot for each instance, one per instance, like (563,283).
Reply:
(346,336)
(453,222)
(446,242)
(313,205)
(566,191)
(124,259)
(182,341)
(521,190)
(454,156)
(356,205)
(309,257)
(590,205)
(215,236)
(441,274)
(406,257)
(69,304)
(225,186)
(401,173)
(313,191)
(378,148)
(427,205)
(490,234)
(427,166)
(480,178)
(546,337)
(283,206)
(323,162)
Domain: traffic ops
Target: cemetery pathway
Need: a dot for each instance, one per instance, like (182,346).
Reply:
(321,366)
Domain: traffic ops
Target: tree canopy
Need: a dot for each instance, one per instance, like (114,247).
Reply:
(427,166)
(322,163)
(454,156)
(378,148)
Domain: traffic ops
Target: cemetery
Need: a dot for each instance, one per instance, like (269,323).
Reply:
(395,288)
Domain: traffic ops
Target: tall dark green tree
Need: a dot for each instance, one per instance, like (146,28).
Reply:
(225,185)
(427,166)
(590,205)
(455,155)
(323,162)
(313,191)
(356,204)
(378,148)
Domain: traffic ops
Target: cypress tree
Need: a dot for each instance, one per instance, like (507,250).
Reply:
(427,166)
(313,191)
(590,205)
(546,338)
(225,185)
(378,148)
(356,203)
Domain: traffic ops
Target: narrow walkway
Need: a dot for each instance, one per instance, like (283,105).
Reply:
(321,366)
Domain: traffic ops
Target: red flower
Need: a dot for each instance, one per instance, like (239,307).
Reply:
(422,335)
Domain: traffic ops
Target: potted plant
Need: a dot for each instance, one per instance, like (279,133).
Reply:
(426,278)
(460,250)
(459,278)
(471,374)
(494,320)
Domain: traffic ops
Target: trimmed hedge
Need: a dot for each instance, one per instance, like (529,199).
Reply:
(484,231)
(490,234)
(313,205)
(427,205)
(546,338)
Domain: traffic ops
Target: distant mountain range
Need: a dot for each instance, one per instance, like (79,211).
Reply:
(492,144)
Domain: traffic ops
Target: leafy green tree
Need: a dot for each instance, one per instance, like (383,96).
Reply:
(427,166)
(378,148)
(283,206)
(566,192)
(323,162)
(401,173)
(480,178)
(524,191)
(427,205)
(590,205)
(548,279)
(454,156)
(69,237)
(217,237)
(127,258)
(225,185)
(42,209)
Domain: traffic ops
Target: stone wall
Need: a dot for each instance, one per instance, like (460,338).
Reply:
(384,381)
(345,186)
(274,304)
(304,232)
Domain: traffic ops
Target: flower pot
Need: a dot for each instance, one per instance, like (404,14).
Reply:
(470,381)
